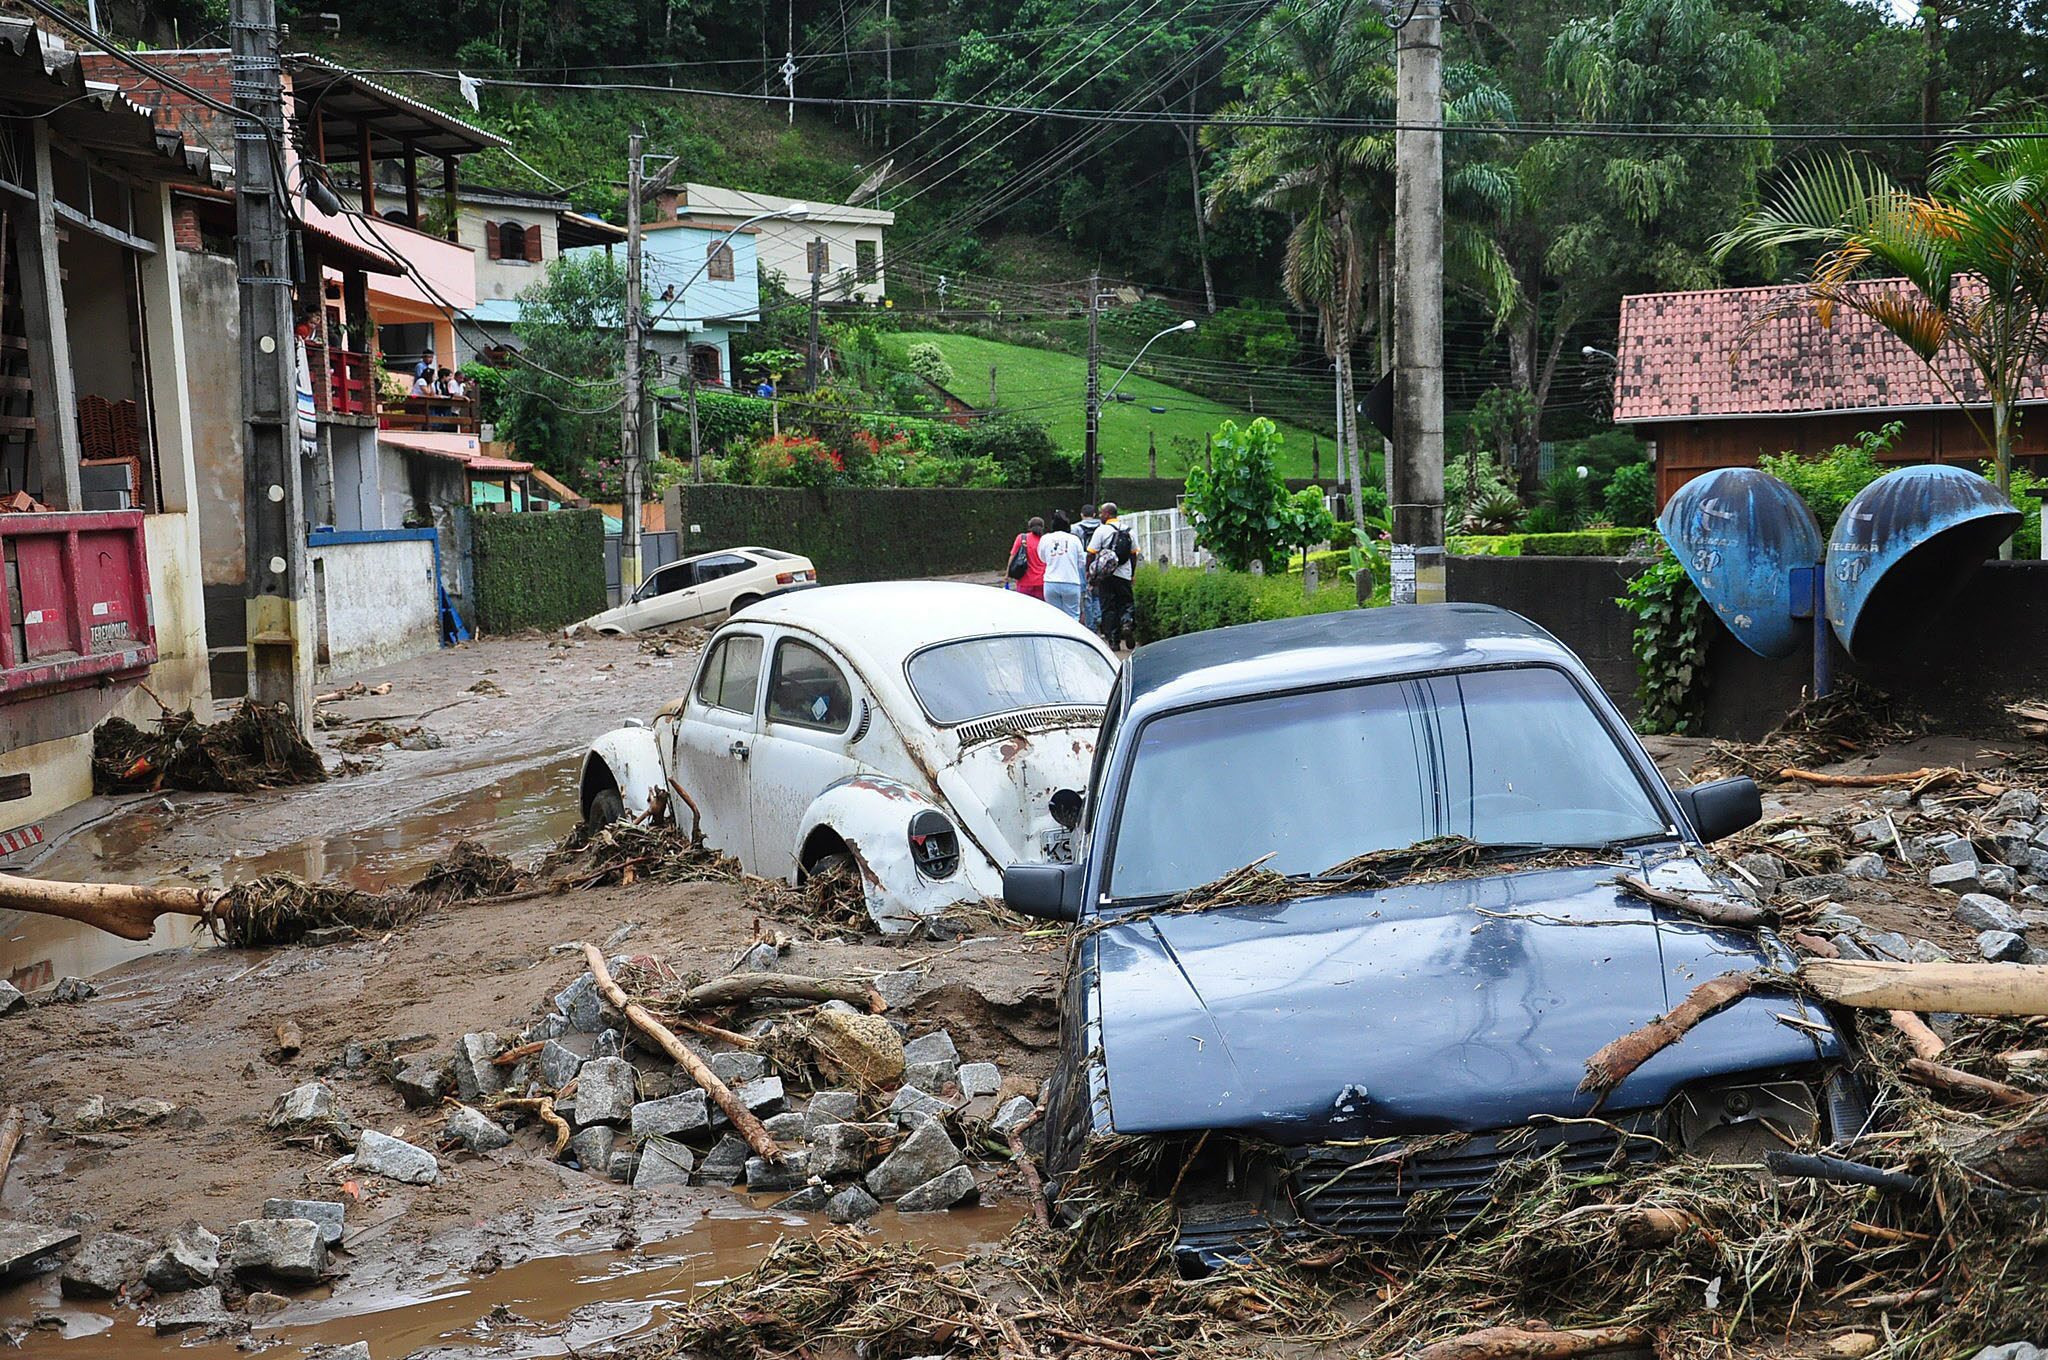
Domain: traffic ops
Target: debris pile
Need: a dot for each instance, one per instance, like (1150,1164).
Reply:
(256,747)
(1850,720)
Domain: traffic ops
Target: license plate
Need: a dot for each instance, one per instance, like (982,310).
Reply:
(1058,847)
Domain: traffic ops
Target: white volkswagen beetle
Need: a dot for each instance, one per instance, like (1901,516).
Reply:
(919,729)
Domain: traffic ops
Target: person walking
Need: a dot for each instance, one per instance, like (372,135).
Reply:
(1112,563)
(1027,567)
(1063,554)
(1091,605)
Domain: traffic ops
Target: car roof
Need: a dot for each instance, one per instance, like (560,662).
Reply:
(888,620)
(1321,649)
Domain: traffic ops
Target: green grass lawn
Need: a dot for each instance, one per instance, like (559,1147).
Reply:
(1049,387)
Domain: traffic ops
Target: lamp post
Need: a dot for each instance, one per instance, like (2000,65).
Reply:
(1092,473)
(636,386)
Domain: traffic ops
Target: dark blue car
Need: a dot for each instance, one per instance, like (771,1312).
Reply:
(1346,1051)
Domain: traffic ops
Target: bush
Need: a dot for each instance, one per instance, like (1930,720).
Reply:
(928,361)
(1579,543)
(1471,483)
(1563,498)
(1022,448)
(1829,481)
(796,460)
(1240,505)
(2026,493)
(1631,495)
(1176,600)
(538,570)
(724,422)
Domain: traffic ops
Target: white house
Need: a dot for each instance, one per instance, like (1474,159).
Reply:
(840,244)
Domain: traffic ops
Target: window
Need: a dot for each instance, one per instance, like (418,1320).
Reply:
(818,257)
(1504,757)
(512,241)
(958,682)
(731,673)
(681,576)
(807,690)
(710,569)
(718,261)
(867,260)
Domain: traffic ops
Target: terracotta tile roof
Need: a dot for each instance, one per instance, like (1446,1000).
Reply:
(1691,356)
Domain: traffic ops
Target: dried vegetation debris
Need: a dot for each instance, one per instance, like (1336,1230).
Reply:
(255,747)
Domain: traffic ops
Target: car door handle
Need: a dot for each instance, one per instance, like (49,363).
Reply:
(739,750)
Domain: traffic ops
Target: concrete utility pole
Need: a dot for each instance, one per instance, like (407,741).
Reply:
(1089,471)
(817,278)
(629,411)
(1417,564)
(888,76)
(280,633)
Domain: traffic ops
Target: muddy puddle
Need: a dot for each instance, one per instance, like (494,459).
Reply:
(519,815)
(549,1306)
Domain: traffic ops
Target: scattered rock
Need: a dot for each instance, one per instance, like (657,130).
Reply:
(1832,920)
(1876,831)
(604,1091)
(937,1077)
(735,1068)
(980,1079)
(689,1112)
(762,958)
(475,1074)
(582,1005)
(842,1150)
(900,988)
(725,1163)
(354,1350)
(921,1157)
(852,1205)
(1870,866)
(809,1200)
(866,1048)
(834,1107)
(105,1266)
(71,990)
(286,1248)
(11,999)
(262,1302)
(625,1160)
(658,1083)
(422,1081)
(329,1214)
(2016,805)
(934,1047)
(182,1311)
(762,1096)
(793,1171)
(1849,949)
(311,1103)
(1892,945)
(941,1192)
(395,1159)
(1998,880)
(189,1260)
(593,1147)
(1014,1113)
(1981,911)
(2001,946)
(791,1126)
(1957,850)
(1852,1345)
(1956,878)
(1814,887)
(1927,951)
(475,1130)
(663,1161)
(559,1064)
(912,1106)
(1764,867)
(2010,1350)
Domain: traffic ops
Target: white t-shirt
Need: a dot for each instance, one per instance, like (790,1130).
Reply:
(1104,537)
(1062,554)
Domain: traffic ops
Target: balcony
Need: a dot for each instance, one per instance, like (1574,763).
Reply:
(429,415)
(74,599)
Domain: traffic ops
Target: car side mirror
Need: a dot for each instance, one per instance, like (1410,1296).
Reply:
(1051,892)
(1723,807)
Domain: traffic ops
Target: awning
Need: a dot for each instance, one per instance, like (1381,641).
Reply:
(42,78)
(339,251)
(465,449)
(347,104)
(576,229)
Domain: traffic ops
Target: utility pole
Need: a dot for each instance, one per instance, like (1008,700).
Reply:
(1089,471)
(629,411)
(811,359)
(1417,560)
(888,76)
(696,438)
(280,633)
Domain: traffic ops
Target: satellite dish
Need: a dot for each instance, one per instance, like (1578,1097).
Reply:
(1904,546)
(1741,534)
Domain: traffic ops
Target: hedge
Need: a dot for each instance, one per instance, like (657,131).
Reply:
(1583,543)
(1176,600)
(538,570)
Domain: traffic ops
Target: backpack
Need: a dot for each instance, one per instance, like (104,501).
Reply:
(1119,551)
(1020,560)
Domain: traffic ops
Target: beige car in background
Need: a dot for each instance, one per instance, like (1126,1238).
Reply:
(703,589)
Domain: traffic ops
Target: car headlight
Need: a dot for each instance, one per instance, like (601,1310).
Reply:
(934,844)
(1739,1121)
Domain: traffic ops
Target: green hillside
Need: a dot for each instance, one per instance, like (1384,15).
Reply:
(1049,387)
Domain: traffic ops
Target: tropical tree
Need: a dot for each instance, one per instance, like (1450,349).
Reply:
(1960,269)
(564,391)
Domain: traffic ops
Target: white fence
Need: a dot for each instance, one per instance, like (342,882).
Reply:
(1167,537)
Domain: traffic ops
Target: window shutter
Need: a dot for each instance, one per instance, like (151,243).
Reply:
(533,243)
(491,240)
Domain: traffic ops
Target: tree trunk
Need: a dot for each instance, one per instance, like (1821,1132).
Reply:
(1187,135)
(2001,435)
(1350,422)
(1384,352)
(1522,341)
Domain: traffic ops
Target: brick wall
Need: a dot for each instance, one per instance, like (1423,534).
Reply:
(205,71)
(185,224)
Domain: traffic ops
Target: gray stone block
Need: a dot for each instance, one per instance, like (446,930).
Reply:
(625,1160)
(1815,887)
(925,1154)
(725,1163)
(395,1159)
(1846,946)
(604,1091)
(901,987)
(934,1047)
(185,1309)
(1957,851)
(476,1076)
(852,1205)
(1015,1111)
(809,1200)
(1998,880)
(422,1081)
(689,1112)
(11,999)
(791,1126)
(762,958)
(581,1005)
(105,1266)
(310,1103)
(663,1161)
(331,1215)
(477,1132)
(2010,1350)
(834,1107)
(286,1248)
(1890,944)
(1764,867)
(1876,831)
(2020,805)
(1866,867)
(980,1079)
(912,1106)
(2001,946)
(937,1077)
(1835,921)
(593,1147)
(842,1150)
(559,1064)
(1955,878)
(71,990)
(735,1068)
(793,1171)
(1982,911)
(941,1192)
(188,1261)
(763,1095)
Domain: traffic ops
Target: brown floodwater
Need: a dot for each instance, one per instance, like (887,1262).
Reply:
(553,1305)
(518,815)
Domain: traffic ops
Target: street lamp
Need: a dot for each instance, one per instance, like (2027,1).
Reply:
(1589,354)
(1093,456)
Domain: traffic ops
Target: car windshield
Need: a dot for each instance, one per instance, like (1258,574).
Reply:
(1511,757)
(957,682)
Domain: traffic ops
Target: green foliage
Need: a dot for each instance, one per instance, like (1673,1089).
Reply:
(539,570)
(1252,333)
(562,408)
(1673,630)
(1606,453)
(1176,600)
(1499,513)
(1476,480)
(1305,520)
(1563,500)
(1579,543)
(1240,504)
(1631,495)
(725,421)
(796,460)
(1828,481)
(928,361)
(1019,448)
(2026,494)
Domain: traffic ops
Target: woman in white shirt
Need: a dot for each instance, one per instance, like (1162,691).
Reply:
(1062,554)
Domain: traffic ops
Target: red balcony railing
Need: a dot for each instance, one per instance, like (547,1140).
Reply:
(352,384)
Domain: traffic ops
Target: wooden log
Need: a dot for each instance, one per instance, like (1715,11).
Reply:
(117,908)
(1734,915)
(1956,1082)
(743,1121)
(2015,1155)
(1533,1343)
(1963,988)
(1611,1066)
(544,1108)
(10,1138)
(736,988)
(289,1039)
(1926,775)
(517,1052)
(1926,1043)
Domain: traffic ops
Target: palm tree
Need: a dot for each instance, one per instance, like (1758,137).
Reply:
(1964,264)
(1322,62)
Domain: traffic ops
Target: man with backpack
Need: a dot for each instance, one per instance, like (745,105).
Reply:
(1084,529)
(1112,562)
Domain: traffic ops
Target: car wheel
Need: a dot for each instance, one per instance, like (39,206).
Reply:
(607,807)
(741,603)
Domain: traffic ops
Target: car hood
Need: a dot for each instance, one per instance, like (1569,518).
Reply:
(1463,1005)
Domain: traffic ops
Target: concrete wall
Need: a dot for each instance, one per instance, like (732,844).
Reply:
(503,278)
(374,599)
(213,385)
